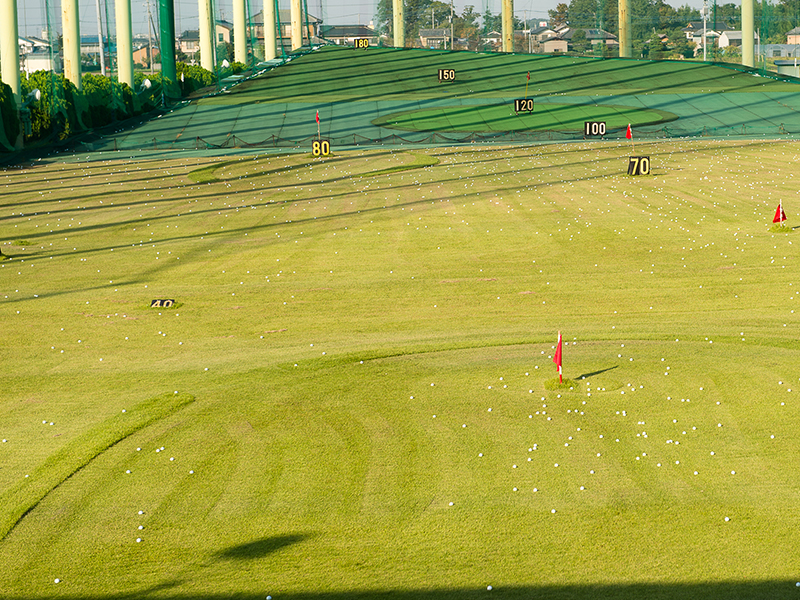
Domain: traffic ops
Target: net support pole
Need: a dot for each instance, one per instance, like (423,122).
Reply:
(239,32)
(122,9)
(507,25)
(748,34)
(166,12)
(206,35)
(296,25)
(9,47)
(270,39)
(625,46)
(70,26)
(398,24)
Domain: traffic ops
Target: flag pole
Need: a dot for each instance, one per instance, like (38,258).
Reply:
(319,136)
(526,84)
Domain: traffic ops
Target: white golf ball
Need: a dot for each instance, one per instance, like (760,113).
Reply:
(57,580)
(489,588)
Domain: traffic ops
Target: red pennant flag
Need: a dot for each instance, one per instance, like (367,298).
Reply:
(557,357)
(317,117)
(780,216)
(529,75)
(629,133)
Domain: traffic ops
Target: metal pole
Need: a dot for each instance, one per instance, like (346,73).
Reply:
(206,35)
(296,24)
(705,19)
(270,42)
(239,35)
(507,25)
(149,39)
(748,55)
(9,47)
(124,42)
(70,26)
(625,46)
(399,28)
(101,44)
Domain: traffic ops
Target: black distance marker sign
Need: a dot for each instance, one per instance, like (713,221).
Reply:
(320,148)
(447,75)
(361,43)
(523,105)
(594,128)
(162,303)
(639,165)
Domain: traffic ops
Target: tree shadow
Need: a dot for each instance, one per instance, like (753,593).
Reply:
(593,373)
(261,548)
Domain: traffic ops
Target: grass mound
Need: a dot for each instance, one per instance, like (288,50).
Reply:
(564,385)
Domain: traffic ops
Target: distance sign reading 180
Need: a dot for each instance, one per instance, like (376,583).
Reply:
(594,128)
(361,43)
(523,105)
(447,74)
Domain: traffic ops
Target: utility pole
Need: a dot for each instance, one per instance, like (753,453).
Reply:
(452,37)
(704,13)
(149,37)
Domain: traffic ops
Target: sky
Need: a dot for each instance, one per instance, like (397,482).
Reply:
(32,13)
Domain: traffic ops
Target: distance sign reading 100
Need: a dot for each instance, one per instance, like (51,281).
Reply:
(594,128)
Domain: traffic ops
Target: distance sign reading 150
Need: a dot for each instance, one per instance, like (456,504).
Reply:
(447,75)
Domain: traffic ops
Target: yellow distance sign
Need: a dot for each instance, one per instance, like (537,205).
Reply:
(320,148)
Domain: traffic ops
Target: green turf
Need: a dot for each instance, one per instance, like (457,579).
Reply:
(345,328)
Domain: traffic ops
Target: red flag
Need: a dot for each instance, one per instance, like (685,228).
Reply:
(557,356)
(317,117)
(529,75)
(629,133)
(780,216)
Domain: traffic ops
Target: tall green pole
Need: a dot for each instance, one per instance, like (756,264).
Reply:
(166,11)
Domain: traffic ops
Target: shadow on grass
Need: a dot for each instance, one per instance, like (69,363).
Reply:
(261,548)
(593,373)
(734,590)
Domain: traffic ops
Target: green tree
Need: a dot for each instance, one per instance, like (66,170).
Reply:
(579,41)
(559,16)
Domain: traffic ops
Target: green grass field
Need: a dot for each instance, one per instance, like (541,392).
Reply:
(349,398)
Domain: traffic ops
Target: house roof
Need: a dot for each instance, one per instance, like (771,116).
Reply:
(591,34)
(432,33)
(347,31)
(795,31)
(693,26)
(284,16)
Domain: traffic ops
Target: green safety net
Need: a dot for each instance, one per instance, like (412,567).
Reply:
(392,96)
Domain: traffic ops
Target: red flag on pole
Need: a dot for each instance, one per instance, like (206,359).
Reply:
(529,75)
(317,117)
(780,216)
(557,357)
(629,133)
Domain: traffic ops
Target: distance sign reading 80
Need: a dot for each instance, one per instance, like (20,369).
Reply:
(320,148)
(447,74)
(594,128)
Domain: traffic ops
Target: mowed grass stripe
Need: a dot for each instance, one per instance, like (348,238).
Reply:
(23,497)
